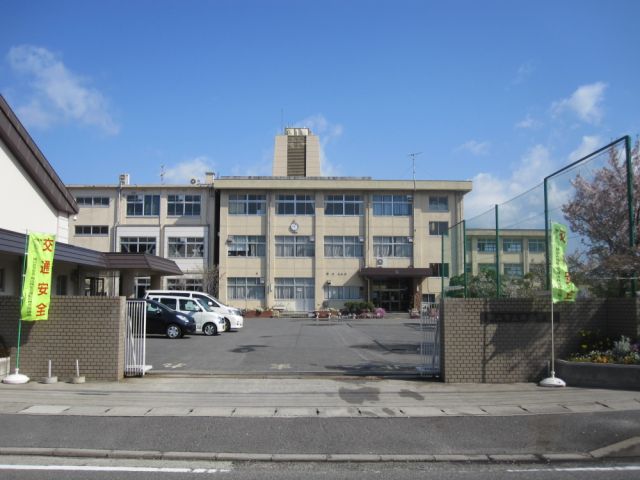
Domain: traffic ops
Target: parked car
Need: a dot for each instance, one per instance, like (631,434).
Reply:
(207,320)
(233,316)
(161,319)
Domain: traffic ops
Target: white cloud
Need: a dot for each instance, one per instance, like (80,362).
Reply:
(474,147)
(589,144)
(528,122)
(183,172)
(58,94)
(327,132)
(489,190)
(585,102)
(524,72)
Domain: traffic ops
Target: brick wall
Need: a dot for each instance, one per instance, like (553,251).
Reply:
(90,329)
(480,348)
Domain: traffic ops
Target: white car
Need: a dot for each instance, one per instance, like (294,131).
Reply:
(233,316)
(207,321)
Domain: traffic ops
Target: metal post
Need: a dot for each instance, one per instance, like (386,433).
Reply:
(442,266)
(546,237)
(464,255)
(631,210)
(497,255)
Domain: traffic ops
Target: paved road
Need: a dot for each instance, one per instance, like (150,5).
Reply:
(285,345)
(21,468)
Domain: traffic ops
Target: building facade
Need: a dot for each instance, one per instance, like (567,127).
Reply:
(170,221)
(296,241)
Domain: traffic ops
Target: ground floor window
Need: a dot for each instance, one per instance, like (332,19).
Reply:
(294,288)
(513,270)
(245,288)
(345,292)
(94,286)
(61,285)
(142,285)
(191,284)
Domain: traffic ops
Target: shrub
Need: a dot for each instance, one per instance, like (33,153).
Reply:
(379,312)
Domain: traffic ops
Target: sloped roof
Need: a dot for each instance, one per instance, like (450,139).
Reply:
(27,153)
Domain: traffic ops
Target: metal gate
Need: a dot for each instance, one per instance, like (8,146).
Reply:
(134,339)
(430,344)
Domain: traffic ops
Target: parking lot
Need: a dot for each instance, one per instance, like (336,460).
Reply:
(296,345)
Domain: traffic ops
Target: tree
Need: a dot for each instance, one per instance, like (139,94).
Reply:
(598,212)
(211,280)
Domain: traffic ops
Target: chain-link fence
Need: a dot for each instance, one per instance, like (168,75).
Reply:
(503,251)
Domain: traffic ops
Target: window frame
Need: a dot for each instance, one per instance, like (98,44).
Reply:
(398,245)
(392,205)
(247,202)
(299,246)
(437,232)
(93,201)
(254,246)
(253,288)
(347,243)
(189,244)
(138,243)
(93,231)
(510,243)
(486,242)
(190,205)
(437,206)
(301,204)
(537,241)
(342,202)
(145,203)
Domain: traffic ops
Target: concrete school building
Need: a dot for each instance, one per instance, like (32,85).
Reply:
(294,240)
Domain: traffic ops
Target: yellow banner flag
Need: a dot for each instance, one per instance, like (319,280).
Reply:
(36,288)
(562,289)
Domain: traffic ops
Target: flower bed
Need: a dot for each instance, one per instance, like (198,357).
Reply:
(599,375)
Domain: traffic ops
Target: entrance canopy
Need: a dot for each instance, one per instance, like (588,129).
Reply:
(374,273)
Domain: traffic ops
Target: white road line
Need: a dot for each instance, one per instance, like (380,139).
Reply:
(87,468)
(627,468)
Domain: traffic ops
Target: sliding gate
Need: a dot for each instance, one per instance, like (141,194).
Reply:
(135,339)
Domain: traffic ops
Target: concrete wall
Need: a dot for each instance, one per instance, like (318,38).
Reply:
(90,329)
(508,340)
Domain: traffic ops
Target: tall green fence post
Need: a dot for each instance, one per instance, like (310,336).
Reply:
(497,256)
(464,256)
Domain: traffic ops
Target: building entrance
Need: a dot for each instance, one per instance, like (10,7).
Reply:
(393,294)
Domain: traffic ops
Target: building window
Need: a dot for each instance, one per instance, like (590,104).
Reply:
(392,205)
(342,247)
(439,228)
(186,247)
(486,245)
(247,246)
(92,201)
(191,284)
(294,288)
(183,205)
(511,245)
(513,270)
(61,285)
(345,205)
(295,204)
(537,245)
(92,230)
(245,288)
(294,246)
(437,270)
(438,204)
(486,267)
(247,204)
(343,293)
(138,245)
(392,247)
(428,298)
(143,205)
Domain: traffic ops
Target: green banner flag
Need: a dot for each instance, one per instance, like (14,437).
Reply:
(36,288)
(562,289)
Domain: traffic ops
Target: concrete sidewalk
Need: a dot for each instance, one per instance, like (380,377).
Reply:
(307,397)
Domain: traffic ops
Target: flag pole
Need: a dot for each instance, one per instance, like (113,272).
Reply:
(16,378)
(552,381)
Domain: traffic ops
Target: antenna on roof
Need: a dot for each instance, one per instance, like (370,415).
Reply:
(161,174)
(413,163)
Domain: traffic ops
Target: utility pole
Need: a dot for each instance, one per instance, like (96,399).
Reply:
(413,163)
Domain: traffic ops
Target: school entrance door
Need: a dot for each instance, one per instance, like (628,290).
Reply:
(392,294)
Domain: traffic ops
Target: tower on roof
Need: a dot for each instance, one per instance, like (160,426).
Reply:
(296,154)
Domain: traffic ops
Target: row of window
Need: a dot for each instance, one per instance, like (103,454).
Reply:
(511,245)
(336,205)
(179,247)
(149,205)
(251,288)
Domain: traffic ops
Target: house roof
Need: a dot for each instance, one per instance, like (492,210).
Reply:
(13,243)
(27,153)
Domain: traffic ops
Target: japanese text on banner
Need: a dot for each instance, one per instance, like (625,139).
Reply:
(562,289)
(36,288)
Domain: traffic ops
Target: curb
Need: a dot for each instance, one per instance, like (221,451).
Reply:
(282,457)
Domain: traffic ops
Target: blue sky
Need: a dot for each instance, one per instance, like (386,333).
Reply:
(498,92)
